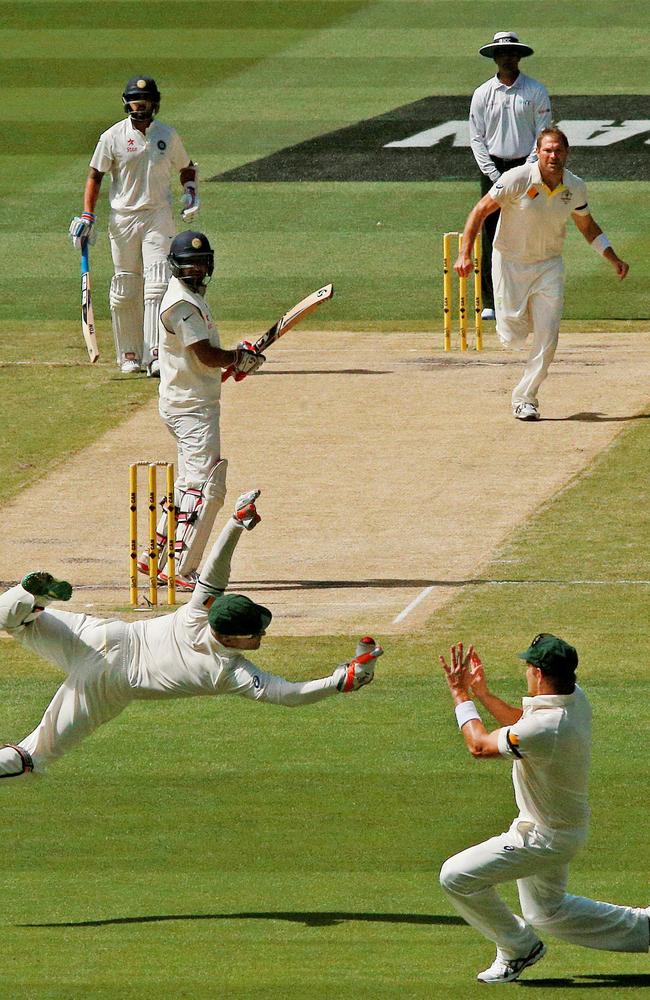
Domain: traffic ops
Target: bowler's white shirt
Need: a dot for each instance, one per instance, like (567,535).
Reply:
(505,121)
(532,224)
(551,748)
(141,166)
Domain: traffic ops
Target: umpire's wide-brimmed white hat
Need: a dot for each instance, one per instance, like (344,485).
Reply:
(505,40)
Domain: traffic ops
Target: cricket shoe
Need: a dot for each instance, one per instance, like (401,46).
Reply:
(130,365)
(488,313)
(153,369)
(506,970)
(186,583)
(42,584)
(526,411)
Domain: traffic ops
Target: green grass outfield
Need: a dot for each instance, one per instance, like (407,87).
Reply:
(219,849)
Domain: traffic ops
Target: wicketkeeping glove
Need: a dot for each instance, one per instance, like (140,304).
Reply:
(246,360)
(43,584)
(82,228)
(359,671)
(245,510)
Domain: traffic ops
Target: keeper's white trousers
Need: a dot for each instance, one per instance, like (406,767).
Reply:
(540,864)
(93,654)
(528,299)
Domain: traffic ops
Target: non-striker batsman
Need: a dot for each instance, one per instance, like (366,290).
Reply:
(142,155)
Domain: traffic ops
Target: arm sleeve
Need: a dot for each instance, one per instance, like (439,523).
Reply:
(477,138)
(508,188)
(180,158)
(529,736)
(185,321)
(542,117)
(582,202)
(102,158)
(499,192)
(215,574)
(247,680)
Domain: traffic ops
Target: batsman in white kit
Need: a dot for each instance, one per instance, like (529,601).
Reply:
(197,650)
(142,155)
(191,362)
(548,741)
(536,200)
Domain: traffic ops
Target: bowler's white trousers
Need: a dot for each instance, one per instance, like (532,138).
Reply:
(528,299)
(539,861)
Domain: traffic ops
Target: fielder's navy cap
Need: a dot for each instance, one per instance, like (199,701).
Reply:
(552,655)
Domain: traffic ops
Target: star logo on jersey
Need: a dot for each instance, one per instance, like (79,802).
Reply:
(130,145)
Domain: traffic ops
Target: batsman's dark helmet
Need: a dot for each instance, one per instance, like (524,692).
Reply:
(191,259)
(141,88)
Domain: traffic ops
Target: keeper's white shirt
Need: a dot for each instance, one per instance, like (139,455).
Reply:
(185,382)
(141,166)
(505,121)
(532,224)
(551,748)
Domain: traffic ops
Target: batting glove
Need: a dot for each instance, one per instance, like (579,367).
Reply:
(190,200)
(247,361)
(358,672)
(82,228)
(245,510)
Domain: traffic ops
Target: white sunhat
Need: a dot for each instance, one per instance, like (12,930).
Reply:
(505,40)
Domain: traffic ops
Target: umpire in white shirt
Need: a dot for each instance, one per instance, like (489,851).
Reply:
(548,741)
(506,115)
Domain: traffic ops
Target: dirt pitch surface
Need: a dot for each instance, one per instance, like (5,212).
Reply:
(389,475)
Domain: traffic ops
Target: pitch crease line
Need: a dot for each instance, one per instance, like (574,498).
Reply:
(414,603)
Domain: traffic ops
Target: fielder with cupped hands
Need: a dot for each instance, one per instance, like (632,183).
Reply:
(548,741)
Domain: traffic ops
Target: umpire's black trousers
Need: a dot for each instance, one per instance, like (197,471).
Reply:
(489,229)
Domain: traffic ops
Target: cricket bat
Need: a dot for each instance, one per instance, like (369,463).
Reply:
(290,318)
(87,314)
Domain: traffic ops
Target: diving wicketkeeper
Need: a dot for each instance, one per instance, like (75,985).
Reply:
(198,650)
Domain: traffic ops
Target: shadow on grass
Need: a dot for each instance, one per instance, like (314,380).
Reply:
(388,583)
(308,918)
(588,417)
(597,981)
